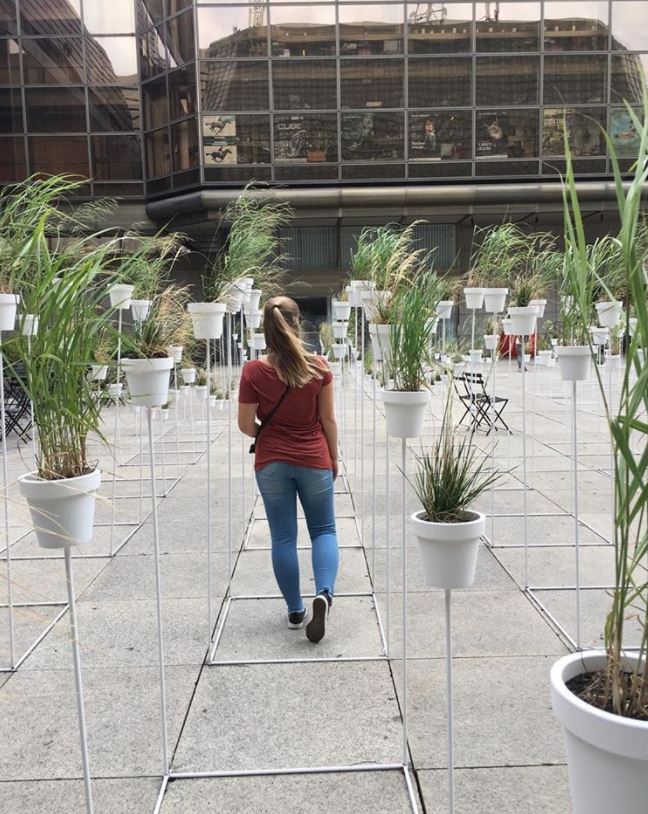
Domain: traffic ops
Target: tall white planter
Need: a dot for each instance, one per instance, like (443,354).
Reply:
(29,325)
(62,511)
(254,318)
(540,305)
(340,330)
(255,299)
(258,342)
(140,309)
(607,755)
(340,351)
(175,352)
(188,374)
(495,300)
(115,390)
(120,295)
(207,319)
(599,335)
(475,356)
(444,309)
(609,313)
(474,298)
(491,341)
(8,306)
(372,299)
(523,319)
(449,550)
(375,344)
(98,372)
(507,327)
(573,361)
(405,412)
(148,380)
(383,337)
(341,310)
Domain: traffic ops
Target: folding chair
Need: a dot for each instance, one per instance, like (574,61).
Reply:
(482,408)
(17,410)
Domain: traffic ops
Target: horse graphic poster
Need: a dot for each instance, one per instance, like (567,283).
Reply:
(219,140)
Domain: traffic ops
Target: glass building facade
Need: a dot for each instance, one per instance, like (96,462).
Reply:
(149,97)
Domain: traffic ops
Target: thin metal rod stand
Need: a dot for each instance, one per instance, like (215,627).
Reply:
(524,473)
(5,478)
(116,432)
(448,620)
(575,508)
(210,623)
(404,592)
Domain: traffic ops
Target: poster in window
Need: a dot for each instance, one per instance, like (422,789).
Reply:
(219,140)
(623,134)
(372,136)
(440,135)
(582,129)
(305,139)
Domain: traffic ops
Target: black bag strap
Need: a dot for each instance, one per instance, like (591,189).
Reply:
(269,418)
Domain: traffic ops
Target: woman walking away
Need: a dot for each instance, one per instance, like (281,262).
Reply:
(295,447)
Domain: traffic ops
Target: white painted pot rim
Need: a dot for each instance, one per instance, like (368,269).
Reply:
(449,531)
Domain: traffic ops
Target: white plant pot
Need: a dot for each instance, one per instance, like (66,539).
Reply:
(233,298)
(383,339)
(336,368)
(62,511)
(207,319)
(375,344)
(354,291)
(120,296)
(573,361)
(632,325)
(475,357)
(543,357)
(341,310)
(201,391)
(258,342)
(175,352)
(404,412)
(609,313)
(540,305)
(495,300)
(255,319)
(372,299)
(30,325)
(523,319)
(506,327)
(148,380)
(491,341)
(474,298)
(188,374)
(140,309)
(115,390)
(554,342)
(449,550)
(614,361)
(340,330)
(8,307)
(458,369)
(254,300)
(599,335)
(444,309)
(607,754)
(340,351)
(98,372)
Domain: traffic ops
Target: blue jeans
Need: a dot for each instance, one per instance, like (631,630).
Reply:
(279,484)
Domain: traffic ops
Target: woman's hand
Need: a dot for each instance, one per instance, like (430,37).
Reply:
(334,469)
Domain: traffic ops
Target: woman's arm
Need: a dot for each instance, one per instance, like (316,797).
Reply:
(247,419)
(326,406)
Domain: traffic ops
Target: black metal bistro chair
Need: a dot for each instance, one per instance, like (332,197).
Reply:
(17,410)
(480,407)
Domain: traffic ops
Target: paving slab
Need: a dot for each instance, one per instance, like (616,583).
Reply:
(188,534)
(547,530)
(259,536)
(508,502)
(117,796)
(294,715)
(556,565)
(28,548)
(44,580)
(29,625)
(383,792)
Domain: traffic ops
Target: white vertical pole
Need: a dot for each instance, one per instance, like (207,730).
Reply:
(229,450)
(77,678)
(116,430)
(387,551)
(164,483)
(576,518)
(404,591)
(448,601)
(209,509)
(524,472)
(5,476)
(139,419)
(362,439)
(373,482)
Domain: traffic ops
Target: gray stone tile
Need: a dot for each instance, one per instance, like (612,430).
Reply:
(118,796)
(99,547)
(44,580)
(348,793)
(260,533)
(556,565)
(186,534)
(508,502)
(545,530)
(294,715)
(29,625)
(520,789)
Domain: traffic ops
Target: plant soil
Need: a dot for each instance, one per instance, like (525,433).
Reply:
(592,688)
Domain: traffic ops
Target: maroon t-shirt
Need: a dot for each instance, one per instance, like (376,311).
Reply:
(295,434)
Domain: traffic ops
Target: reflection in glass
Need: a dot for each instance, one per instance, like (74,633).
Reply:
(116,158)
(629,29)
(623,132)
(302,31)
(584,134)
(158,155)
(152,53)
(506,133)
(149,12)
(370,171)
(440,82)
(302,84)
(113,109)
(505,27)
(305,138)
(370,29)
(55,110)
(12,160)
(507,80)
(109,16)
(182,92)
(10,111)
(53,17)
(574,79)
(227,32)
(53,62)
(440,134)
(234,86)
(371,82)
(154,103)
(371,136)
(576,26)
(484,169)
(184,141)
(8,18)
(9,62)
(445,169)
(439,29)
(628,70)
(56,155)
(235,139)
(174,6)
(180,39)
(111,60)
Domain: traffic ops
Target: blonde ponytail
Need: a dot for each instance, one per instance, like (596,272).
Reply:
(295,365)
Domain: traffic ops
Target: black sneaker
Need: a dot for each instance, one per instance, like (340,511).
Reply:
(296,619)
(316,628)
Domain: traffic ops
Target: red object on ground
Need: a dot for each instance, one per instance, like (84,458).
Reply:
(506,340)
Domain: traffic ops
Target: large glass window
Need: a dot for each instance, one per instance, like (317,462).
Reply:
(174,6)
(576,26)
(55,110)
(302,31)
(53,61)
(629,29)
(158,154)
(371,82)
(302,84)
(370,136)
(114,109)
(153,12)
(12,160)
(182,92)
(628,72)
(440,82)
(111,60)
(56,155)
(439,29)
(152,54)
(369,29)
(503,27)
(440,134)
(235,139)
(228,31)
(305,138)
(184,142)
(623,132)
(507,80)
(575,79)
(180,39)
(51,18)
(155,103)
(506,133)
(116,158)
(109,16)
(9,62)
(583,131)
(11,120)
(234,85)
(8,17)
